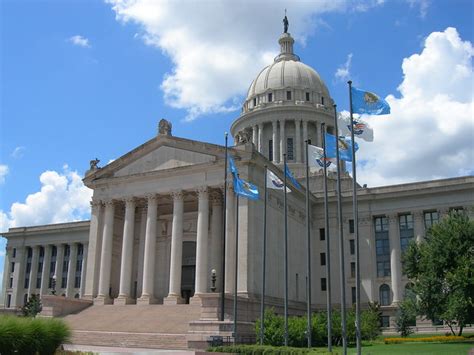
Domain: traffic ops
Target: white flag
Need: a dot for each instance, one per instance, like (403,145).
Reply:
(274,182)
(361,128)
(316,159)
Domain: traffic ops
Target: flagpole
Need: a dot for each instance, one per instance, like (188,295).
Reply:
(341,243)
(264,247)
(356,225)
(286,254)
(328,249)
(236,265)
(308,247)
(223,234)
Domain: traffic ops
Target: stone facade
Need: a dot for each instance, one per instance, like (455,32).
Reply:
(156,230)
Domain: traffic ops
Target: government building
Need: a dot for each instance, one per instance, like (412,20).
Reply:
(149,263)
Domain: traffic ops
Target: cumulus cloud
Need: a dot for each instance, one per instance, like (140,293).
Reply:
(18,152)
(344,71)
(62,198)
(430,132)
(3,172)
(214,60)
(80,41)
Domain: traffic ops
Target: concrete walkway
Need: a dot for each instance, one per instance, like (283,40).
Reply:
(104,350)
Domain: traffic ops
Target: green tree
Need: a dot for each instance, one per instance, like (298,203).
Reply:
(32,307)
(442,270)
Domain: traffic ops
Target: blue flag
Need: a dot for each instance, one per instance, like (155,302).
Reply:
(245,189)
(345,147)
(365,102)
(232,167)
(290,176)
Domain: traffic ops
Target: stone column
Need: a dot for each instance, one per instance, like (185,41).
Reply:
(71,271)
(58,269)
(19,277)
(176,263)
(216,240)
(418,226)
(395,264)
(33,271)
(318,142)
(127,253)
(260,138)
(274,142)
(46,271)
(298,140)
(141,250)
(147,296)
(230,242)
(282,140)
(255,136)
(202,241)
(84,271)
(103,296)
(6,278)
(95,243)
(305,136)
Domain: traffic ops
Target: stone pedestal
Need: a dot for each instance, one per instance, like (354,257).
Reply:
(122,301)
(146,300)
(173,299)
(101,300)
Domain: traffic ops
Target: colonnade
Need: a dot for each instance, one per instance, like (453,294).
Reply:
(208,245)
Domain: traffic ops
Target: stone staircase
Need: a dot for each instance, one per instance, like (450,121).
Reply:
(145,326)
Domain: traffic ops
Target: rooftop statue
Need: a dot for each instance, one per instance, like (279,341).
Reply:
(164,127)
(285,24)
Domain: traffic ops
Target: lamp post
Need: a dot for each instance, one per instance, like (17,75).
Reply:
(53,285)
(213,280)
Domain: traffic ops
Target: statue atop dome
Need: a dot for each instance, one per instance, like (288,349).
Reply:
(285,24)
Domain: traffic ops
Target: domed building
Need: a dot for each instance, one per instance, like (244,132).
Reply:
(151,265)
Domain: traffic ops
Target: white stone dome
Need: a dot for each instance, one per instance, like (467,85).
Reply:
(287,74)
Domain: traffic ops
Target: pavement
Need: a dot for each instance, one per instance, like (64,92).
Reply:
(105,350)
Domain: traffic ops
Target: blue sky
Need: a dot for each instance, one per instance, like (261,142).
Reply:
(86,79)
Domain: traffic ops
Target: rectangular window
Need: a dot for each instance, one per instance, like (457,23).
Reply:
(14,253)
(11,282)
(80,250)
(323,258)
(351,226)
(323,284)
(270,97)
(270,150)
(254,101)
(406,230)
(9,300)
(54,252)
(322,100)
(27,282)
(385,321)
(288,95)
(322,234)
(431,218)
(64,281)
(297,287)
(353,269)
(352,246)
(38,281)
(289,148)
(382,246)
(307,96)
(67,251)
(12,267)
(353,295)
(77,281)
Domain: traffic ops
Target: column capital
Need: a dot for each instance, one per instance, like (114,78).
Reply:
(177,195)
(417,215)
(282,120)
(109,202)
(129,200)
(298,120)
(202,192)
(216,197)
(274,124)
(260,125)
(151,197)
(95,203)
(392,217)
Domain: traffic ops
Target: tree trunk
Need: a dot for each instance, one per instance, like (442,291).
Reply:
(450,327)
(460,329)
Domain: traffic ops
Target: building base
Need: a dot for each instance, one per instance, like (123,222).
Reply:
(124,300)
(101,300)
(173,299)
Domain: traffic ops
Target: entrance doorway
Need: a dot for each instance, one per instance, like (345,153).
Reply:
(188,271)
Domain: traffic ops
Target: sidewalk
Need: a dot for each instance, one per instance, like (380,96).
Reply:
(105,350)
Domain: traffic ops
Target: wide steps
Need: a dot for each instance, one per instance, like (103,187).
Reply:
(127,339)
(144,326)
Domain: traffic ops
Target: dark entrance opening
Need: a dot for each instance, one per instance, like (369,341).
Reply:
(188,271)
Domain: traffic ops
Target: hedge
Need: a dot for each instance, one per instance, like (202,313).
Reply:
(31,335)
(265,350)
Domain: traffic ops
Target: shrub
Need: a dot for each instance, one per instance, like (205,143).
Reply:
(32,307)
(264,350)
(438,338)
(31,336)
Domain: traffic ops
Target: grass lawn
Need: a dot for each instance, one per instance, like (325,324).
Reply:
(416,349)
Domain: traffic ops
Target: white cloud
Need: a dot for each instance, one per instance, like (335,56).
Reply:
(62,198)
(80,41)
(430,131)
(3,172)
(344,71)
(218,47)
(18,152)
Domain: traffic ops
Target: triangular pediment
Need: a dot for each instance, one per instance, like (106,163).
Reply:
(164,158)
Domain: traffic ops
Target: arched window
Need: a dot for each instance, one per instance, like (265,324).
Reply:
(384,295)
